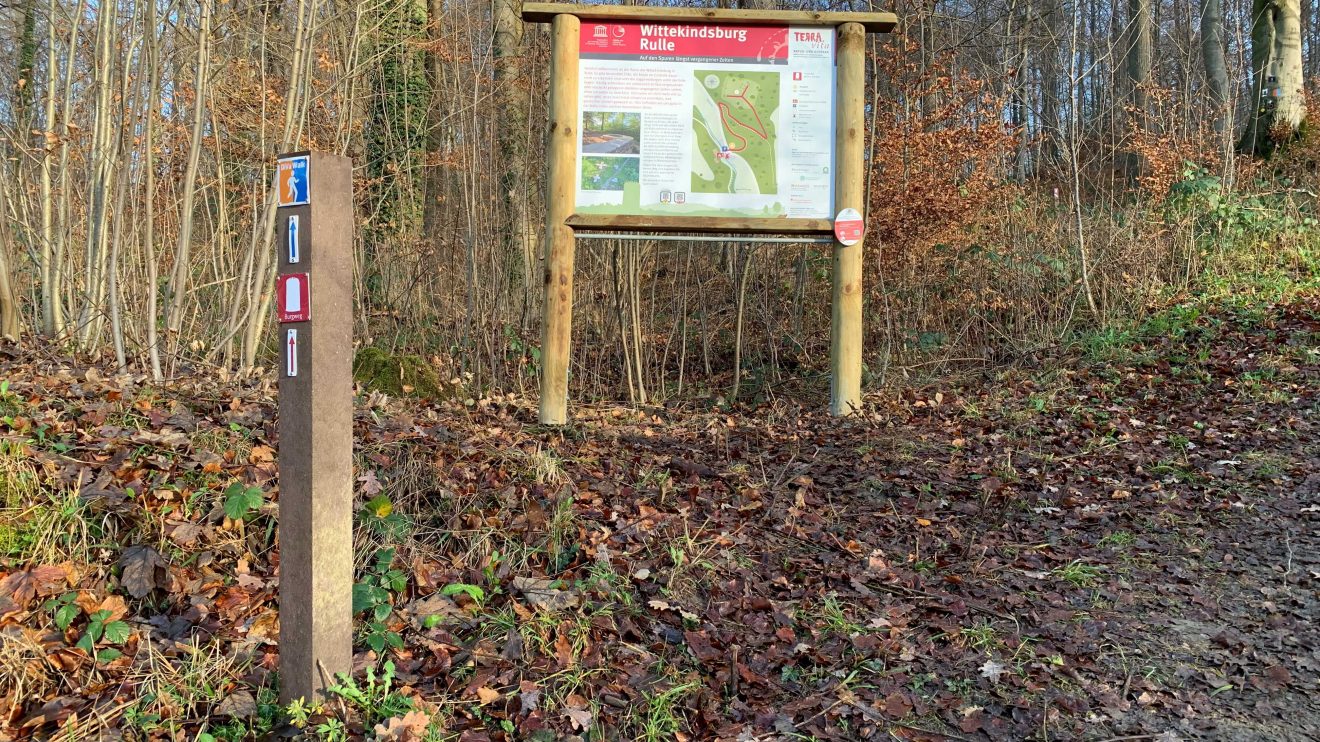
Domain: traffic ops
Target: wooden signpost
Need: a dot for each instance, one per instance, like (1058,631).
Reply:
(314,305)
(756,154)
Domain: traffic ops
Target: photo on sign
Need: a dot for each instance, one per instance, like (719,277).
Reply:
(611,133)
(609,173)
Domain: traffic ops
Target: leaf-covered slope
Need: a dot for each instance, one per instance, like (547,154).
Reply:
(1124,546)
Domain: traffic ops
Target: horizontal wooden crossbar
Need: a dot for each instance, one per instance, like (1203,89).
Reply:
(545,12)
(732,225)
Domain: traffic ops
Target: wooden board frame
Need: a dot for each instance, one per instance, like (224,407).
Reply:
(561,188)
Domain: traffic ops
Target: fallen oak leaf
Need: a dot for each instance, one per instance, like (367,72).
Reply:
(411,727)
(370,484)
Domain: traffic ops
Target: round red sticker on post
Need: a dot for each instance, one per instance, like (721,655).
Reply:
(848,227)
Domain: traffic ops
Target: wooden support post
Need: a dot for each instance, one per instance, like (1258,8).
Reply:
(849,190)
(315,310)
(561,182)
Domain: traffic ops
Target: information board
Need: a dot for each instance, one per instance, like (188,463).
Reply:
(706,120)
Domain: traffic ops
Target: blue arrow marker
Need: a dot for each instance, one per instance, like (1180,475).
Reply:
(293,239)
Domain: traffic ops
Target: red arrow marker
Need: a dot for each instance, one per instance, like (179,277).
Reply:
(291,362)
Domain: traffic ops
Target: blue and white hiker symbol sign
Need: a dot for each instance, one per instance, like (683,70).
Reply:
(292,182)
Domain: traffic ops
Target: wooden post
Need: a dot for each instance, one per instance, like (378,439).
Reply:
(315,310)
(849,190)
(560,193)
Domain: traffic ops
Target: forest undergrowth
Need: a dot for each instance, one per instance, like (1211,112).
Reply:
(1117,543)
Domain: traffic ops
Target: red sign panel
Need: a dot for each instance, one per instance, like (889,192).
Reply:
(687,42)
(293,298)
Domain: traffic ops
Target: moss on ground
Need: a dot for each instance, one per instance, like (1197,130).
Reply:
(397,374)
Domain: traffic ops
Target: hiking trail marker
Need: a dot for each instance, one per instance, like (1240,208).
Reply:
(315,219)
(291,239)
(749,123)
(292,183)
(293,297)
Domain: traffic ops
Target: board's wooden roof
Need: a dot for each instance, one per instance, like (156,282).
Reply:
(545,12)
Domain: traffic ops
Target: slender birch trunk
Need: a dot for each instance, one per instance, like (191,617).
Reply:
(149,191)
(178,285)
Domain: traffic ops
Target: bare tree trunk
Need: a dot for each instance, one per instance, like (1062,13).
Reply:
(433,180)
(27,58)
(55,214)
(50,306)
(512,133)
(1021,92)
(742,271)
(1277,105)
(104,146)
(634,260)
(1216,70)
(178,286)
(149,190)
(1050,95)
(10,323)
(123,143)
(1074,160)
(617,273)
(1140,56)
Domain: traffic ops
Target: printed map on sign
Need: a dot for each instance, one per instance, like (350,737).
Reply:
(693,119)
(733,123)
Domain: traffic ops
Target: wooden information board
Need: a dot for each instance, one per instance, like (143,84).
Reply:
(704,120)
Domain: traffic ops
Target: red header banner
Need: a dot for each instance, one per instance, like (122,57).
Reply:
(685,42)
